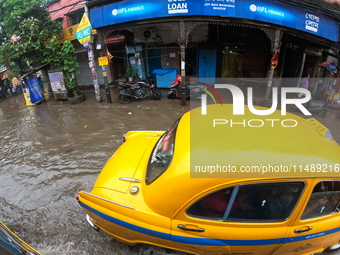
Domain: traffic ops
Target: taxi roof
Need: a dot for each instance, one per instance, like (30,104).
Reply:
(221,138)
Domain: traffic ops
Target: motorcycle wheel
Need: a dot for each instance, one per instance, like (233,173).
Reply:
(171,95)
(294,108)
(124,99)
(196,95)
(156,94)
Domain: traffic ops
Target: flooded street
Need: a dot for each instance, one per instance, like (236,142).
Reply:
(52,151)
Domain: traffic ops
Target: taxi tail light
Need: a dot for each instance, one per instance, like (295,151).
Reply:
(124,138)
(77,196)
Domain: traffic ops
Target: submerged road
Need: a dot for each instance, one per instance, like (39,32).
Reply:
(51,151)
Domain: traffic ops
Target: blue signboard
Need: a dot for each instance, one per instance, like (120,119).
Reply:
(36,95)
(266,11)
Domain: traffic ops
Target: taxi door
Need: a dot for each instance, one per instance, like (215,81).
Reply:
(217,238)
(317,225)
(241,229)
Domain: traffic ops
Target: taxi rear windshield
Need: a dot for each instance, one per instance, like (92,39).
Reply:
(162,154)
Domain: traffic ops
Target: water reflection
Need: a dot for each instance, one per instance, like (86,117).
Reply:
(50,152)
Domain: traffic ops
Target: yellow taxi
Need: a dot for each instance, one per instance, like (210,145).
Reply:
(11,244)
(223,184)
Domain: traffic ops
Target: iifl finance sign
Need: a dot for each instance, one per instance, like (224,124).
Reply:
(83,33)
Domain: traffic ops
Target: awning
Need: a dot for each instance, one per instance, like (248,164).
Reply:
(330,66)
(34,70)
(163,71)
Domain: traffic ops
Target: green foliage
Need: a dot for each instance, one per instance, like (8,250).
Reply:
(63,56)
(69,66)
(25,26)
(129,72)
(27,38)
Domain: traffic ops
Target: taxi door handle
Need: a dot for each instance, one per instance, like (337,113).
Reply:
(181,226)
(303,230)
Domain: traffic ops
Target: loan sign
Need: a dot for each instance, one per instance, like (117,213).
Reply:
(83,33)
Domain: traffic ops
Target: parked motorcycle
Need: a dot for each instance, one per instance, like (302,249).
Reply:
(138,90)
(193,91)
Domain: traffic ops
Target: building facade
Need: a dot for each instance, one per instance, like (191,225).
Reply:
(207,38)
(69,13)
(216,35)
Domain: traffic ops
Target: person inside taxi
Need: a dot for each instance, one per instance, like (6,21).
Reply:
(215,205)
(269,201)
(325,199)
(315,206)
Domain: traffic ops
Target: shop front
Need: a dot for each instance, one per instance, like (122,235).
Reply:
(226,40)
(115,50)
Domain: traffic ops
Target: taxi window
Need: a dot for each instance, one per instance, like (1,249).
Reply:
(253,202)
(162,154)
(324,200)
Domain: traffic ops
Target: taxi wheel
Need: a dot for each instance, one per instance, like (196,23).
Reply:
(333,248)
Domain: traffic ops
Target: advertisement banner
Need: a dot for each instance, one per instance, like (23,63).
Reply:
(36,95)
(57,81)
(266,11)
(83,33)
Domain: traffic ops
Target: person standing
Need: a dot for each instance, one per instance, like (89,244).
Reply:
(239,66)
(304,83)
(41,83)
(337,85)
(15,84)
(7,87)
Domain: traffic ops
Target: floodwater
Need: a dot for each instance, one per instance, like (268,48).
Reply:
(51,151)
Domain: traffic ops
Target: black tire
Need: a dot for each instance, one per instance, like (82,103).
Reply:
(124,99)
(333,248)
(156,94)
(196,95)
(171,95)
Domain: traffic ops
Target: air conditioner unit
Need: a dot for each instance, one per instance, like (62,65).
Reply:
(150,33)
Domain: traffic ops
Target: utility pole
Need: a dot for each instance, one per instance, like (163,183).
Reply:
(182,48)
(107,89)
(92,62)
(275,48)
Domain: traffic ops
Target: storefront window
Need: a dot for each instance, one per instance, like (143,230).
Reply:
(75,19)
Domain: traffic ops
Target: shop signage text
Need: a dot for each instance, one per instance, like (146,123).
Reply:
(271,11)
(84,29)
